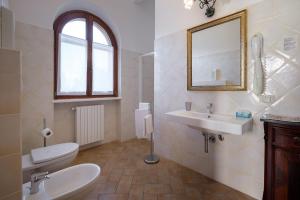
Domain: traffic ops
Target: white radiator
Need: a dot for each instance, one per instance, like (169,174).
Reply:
(89,124)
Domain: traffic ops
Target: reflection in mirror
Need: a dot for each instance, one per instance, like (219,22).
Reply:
(216,55)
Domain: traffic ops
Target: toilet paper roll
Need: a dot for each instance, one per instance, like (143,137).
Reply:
(46,132)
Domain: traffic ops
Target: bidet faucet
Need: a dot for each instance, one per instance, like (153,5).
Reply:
(36,179)
(209,108)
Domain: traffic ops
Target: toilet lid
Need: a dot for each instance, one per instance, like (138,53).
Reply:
(44,154)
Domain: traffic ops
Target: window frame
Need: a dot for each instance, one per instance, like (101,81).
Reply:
(90,18)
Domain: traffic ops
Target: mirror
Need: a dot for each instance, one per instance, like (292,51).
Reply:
(217,54)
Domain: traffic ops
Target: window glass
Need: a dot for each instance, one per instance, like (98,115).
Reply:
(102,70)
(75,28)
(85,67)
(73,72)
(99,35)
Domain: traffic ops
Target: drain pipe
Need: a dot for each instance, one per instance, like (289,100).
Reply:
(206,138)
(44,126)
(210,139)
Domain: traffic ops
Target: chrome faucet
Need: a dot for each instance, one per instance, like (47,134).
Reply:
(36,179)
(209,108)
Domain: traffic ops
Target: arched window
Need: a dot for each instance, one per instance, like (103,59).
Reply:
(85,56)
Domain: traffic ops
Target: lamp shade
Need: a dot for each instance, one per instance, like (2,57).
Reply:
(188,4)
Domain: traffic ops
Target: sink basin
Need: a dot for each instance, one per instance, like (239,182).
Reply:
(70,183)
(213,123)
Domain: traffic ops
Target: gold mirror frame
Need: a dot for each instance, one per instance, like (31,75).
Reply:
(242,15)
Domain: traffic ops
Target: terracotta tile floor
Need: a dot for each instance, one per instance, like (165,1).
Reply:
(125,176)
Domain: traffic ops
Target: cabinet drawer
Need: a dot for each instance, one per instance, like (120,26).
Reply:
(289,139)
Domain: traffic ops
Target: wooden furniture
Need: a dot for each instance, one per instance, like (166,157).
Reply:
(282,158)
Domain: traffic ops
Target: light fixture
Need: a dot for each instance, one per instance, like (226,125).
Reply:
(188,4)
(208,4)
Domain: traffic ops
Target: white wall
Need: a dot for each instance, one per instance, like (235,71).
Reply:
(239,160)
(132,23)
(171,16)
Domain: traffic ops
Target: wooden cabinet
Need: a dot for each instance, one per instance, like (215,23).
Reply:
(282,160)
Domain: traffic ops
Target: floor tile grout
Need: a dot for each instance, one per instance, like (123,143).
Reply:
(148,181)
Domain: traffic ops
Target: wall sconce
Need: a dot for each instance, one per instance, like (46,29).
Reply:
(208,4)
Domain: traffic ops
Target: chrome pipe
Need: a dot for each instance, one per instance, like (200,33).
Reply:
(206,138)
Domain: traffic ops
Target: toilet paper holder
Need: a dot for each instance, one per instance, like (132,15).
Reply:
(46,132)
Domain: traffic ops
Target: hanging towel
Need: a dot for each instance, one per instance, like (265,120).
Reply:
(140,122)
(148,124)
(144,105)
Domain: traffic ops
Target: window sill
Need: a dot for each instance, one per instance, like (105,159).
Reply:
(56,101)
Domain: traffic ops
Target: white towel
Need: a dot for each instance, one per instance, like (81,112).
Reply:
(144,105)
(148,124)
(140,122)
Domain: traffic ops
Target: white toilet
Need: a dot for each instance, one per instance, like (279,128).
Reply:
(50,159)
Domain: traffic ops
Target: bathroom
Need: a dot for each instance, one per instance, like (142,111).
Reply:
(206,153)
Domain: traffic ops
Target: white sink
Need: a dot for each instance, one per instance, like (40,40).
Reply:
(70,183)
(212,123)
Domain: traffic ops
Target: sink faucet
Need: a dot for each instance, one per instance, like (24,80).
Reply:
(209,108)
(36,179)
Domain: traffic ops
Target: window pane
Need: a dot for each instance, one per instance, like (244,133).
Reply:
(99,35)
(75,28)
(73,66)
(102,70)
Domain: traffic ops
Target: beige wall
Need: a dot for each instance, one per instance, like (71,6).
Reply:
(132,23)
(130,93)
(34,38)
(119,115)
(64,120)
(10,124)
(148,79)
(36,45)
(239,160)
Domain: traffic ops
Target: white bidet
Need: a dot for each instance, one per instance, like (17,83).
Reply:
(70,183)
